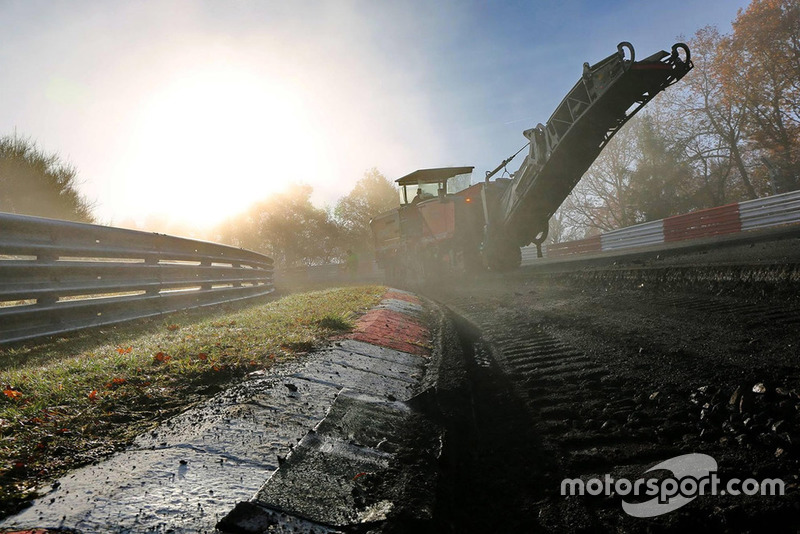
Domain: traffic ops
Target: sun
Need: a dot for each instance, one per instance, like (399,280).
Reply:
(213,141)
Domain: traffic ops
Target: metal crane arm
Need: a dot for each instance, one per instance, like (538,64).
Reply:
(608,94)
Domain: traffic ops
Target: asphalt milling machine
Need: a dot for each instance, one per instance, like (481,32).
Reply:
(439,229)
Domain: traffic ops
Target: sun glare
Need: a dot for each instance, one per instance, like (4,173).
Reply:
(212,142)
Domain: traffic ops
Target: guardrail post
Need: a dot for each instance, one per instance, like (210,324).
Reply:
(236,265)
(46,258)
(206,285)
(152,291)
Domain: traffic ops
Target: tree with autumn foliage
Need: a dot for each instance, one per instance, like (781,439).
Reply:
(372,195)
(286,227)
(763,63)
(712,119)
(294,232)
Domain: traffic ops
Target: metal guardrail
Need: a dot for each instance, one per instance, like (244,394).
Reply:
(770,211)
(640,235)
(528,254)
(568,248)
(761,213)
(58,276)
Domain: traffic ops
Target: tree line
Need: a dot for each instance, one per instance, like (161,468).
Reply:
(729,131)
(294,232)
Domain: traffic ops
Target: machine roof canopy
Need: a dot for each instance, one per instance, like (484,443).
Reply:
(432,176)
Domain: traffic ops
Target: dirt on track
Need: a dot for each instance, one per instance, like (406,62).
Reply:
(609,379)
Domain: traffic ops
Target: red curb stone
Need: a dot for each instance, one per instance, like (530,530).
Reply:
(393,330)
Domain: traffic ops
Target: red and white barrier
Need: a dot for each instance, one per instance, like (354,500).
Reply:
(730,219)
(704,223)
(582,246)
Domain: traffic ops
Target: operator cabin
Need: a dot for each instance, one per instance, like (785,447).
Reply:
(432,183)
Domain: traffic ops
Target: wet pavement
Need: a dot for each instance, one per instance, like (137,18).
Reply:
(315,445)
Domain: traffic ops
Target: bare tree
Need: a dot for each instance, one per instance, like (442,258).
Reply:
(600,201)
(713,119)
(561,228)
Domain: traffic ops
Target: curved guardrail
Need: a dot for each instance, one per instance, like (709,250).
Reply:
(58,276)
(767,212)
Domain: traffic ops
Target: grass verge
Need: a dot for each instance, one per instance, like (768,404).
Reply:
(72,400)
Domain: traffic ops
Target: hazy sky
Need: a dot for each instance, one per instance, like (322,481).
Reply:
(194,110)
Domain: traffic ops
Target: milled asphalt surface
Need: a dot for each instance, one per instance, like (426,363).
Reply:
(310,446)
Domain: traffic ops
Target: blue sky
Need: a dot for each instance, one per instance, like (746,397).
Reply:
(193,110)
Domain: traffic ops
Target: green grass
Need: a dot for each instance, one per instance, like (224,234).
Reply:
(73,399)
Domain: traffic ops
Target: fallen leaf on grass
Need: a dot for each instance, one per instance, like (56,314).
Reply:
(161,357)
(93,395)
(12,393)
(124,350)
(115,382)
(202,356)
(172,327)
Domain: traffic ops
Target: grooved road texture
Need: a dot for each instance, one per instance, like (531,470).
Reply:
(326,433)
(613,381)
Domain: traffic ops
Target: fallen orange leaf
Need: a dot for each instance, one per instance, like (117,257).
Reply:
(12,393)
(93,395)
(124,350)
(173,327)
(115,382)
(202,356)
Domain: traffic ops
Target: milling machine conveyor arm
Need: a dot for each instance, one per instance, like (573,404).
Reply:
(607,95)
